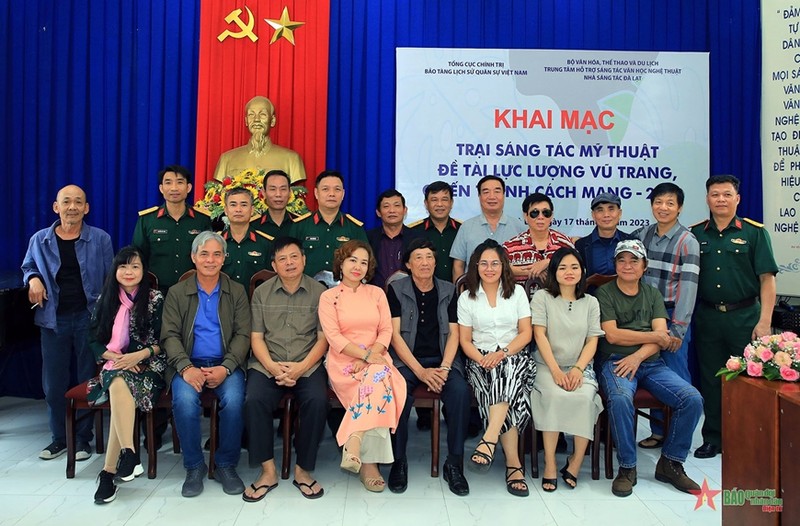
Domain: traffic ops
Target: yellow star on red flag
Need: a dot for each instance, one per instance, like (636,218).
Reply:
(284,27)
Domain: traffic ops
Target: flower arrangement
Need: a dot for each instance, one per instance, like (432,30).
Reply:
(213,202)
(774,357)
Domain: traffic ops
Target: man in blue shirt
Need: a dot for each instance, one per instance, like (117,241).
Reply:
(597,249)
(491,223)
(205,331)
(64,268)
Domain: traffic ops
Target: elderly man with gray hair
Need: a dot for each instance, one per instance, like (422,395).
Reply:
(206,334)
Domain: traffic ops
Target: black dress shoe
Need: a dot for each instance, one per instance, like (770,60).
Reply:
(398,476)
(454,476)
(707,450)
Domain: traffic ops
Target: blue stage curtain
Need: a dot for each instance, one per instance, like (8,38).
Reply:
(104,93)
(365,33)
(97,93)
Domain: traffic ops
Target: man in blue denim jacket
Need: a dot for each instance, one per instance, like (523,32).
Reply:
(64,268)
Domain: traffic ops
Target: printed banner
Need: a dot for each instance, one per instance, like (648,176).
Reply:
(570,124)
(780,137)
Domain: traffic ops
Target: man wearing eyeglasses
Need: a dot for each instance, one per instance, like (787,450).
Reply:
(530,251)
(492,223)
(736,295)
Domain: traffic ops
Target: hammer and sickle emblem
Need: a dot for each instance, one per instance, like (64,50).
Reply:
(246,29)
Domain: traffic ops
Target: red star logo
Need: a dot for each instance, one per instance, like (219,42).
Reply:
(705,494)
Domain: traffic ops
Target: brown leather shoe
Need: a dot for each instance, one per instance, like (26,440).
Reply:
(624,483)
(672,472)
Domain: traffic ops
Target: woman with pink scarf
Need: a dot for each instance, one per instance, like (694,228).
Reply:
(124,338)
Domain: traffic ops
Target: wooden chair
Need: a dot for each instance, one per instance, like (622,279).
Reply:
(532,285)
(77,400)
(594,445)
(258,278)
(596,280)
(397,274)
(642,399)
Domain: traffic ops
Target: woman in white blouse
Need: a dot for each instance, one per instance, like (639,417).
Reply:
(494,321)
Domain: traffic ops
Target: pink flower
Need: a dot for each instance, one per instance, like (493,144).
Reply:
(765,354)
(783,358)
(788,336)
(754,369)
(365,390)
(749,351)
(733,364)
(789,374)
(765,339)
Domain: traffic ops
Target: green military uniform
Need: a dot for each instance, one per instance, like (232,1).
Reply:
(248,257)
(443,241)
(728,309)
(268,226)
(320,239)
(167,243)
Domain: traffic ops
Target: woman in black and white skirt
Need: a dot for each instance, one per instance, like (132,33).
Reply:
(494,321)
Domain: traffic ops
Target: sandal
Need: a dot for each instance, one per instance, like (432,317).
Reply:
(551,482)
(310,487)
(373,484)
(570,479)
(510,483)
(482,467)
(651,442)
(247,498)
(350,462)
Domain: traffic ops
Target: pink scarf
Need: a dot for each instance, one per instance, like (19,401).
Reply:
(120,332)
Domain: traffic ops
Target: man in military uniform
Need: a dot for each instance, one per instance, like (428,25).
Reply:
(736,295)
(277,222)
(165,233)
(439,228)
(325,230)
(249,250)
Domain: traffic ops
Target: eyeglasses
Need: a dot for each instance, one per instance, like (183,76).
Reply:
(486,264)
(533,214)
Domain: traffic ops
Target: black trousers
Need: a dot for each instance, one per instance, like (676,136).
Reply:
(263,395)
(456,397)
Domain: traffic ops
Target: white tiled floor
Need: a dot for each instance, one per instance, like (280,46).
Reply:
(33,491)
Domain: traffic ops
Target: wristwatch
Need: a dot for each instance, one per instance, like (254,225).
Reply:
(505,351)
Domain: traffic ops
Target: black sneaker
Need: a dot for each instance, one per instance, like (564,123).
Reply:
(128,466)
(83,452)
(54,450)
(106,489)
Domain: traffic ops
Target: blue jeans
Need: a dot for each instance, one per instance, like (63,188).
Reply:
(59,346)
(678,361)
(187,412)
(665,385)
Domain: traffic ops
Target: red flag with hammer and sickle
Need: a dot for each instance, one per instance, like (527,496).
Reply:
(274,48)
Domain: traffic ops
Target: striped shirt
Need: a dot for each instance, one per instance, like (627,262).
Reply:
(673,267)
(522,251)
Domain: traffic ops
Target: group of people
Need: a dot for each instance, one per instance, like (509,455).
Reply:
(436,303)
